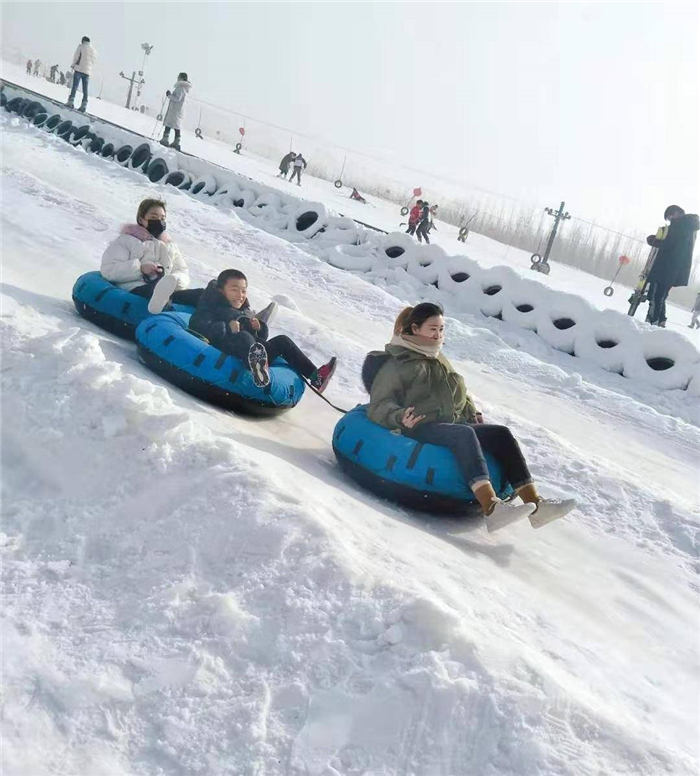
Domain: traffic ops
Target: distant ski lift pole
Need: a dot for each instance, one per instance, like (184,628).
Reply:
(541,263)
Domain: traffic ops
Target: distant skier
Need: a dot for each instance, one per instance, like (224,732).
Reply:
(673,261)
(424,224)
(695,318)
(37,65)
(83,62)
(62,78)
(414,217)
(29,67)
(69,79)
(297,167)
(53,71)
(357,196)
(176,111)
(285,164)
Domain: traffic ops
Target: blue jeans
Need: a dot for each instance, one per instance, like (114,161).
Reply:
(77,79)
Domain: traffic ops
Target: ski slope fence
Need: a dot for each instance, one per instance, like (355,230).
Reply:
(566,322)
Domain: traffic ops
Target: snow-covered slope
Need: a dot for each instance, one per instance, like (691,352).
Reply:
(191,592)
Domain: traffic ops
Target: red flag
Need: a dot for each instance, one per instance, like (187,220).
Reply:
(417,192)
(624,259)
(241,130)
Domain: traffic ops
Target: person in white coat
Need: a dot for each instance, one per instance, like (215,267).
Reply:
(145,261)
(176,110)
(83,63)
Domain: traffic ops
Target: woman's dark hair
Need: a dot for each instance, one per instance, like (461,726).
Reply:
(417,315)
(146,205)
(183,77)
(229,274)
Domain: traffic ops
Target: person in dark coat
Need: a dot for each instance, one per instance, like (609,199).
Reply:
(673,261)
(285,163)
(224,316)
(424,224)
(29,67)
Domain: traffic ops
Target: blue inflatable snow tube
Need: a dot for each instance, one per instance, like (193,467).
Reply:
(112,308)
(170,349)
(420,476)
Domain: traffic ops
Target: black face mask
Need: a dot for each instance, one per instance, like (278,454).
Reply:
(156,228)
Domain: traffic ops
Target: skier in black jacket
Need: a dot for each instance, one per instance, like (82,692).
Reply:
(673,261)
(284,164)
(424,224)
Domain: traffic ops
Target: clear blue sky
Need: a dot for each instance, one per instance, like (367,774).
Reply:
(593,102)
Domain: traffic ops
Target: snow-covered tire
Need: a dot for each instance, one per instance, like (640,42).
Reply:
(308,219)
(492,288)
(31,109)
(266,204)
(456,272)
(352,258)
(562,320)
(523,303)
(53,122)
(425,263)
(64,129)
(40,119)
(140,157)
(16,105)
(96,145)
(79,134)
(123,154)
(157,169)
(398,248)
(179,179)
(608,340)
(204,186)
(664,359)
(107,151)
(694,384)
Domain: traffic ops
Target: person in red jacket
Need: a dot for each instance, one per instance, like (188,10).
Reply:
(414,217)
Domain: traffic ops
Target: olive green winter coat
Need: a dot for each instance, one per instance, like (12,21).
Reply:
(411,379)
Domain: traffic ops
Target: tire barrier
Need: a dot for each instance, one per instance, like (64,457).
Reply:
(140,157)
(198,133)
(123,154)
(109,307)
(238,148)
(157,169)
(338,184)
(420,476)
(166,346)
(660,358)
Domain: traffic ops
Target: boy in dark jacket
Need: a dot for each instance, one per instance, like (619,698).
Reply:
(424,223)
(284,164)
(673,261)
(224,316)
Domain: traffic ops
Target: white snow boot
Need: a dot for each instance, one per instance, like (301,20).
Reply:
(161,294)
(503,514)
(257,361)
(267,313)
(549,509)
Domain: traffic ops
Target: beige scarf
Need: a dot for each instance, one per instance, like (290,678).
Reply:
(428,347)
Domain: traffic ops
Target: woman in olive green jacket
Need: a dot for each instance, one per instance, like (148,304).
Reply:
(414,390)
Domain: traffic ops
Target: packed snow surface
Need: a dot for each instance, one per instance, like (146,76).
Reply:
(191,592)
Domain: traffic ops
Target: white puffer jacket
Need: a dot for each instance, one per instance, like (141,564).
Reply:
(84,59)
(124,257)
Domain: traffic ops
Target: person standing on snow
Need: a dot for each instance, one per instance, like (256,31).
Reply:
(29,67)
(37,65)
(694,322)
(673,261)
(299,164)
(285,163)
(424,224)
(83,62)
(53,71)
(414,217)
(176,111)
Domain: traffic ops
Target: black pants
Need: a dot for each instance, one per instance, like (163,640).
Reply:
(79,78)
(282,346)
(657,303)
(296,171)
(422,231)
(468,444)
(411,229)
(189,297)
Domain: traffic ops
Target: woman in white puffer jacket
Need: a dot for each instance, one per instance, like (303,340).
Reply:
(144,261)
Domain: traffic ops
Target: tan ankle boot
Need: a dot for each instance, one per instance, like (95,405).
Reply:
(486,496)
(528,493)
